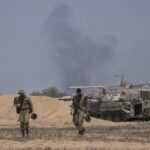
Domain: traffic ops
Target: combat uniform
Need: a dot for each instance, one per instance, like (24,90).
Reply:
(24,110)
(79,110)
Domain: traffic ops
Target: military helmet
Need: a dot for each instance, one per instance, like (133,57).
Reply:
(87,118)
(21,91)
(34,116)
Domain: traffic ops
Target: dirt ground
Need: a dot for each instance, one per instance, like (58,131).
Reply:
(53,130)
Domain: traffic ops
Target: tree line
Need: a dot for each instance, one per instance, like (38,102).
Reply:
(50,91)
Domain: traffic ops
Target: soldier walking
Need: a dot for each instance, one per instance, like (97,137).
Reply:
(78,110)
(24,107)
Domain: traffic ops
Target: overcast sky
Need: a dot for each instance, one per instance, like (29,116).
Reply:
(64,42)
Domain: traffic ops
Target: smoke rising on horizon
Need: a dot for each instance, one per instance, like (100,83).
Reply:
(77,55)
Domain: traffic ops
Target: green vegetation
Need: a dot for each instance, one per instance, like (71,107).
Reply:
(50,91)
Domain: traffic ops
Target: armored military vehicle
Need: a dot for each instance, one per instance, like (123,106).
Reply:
(123,103)
(119,103)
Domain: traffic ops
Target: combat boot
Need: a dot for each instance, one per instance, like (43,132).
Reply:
(81,132)
(22,132)
(27,129)
(22,129)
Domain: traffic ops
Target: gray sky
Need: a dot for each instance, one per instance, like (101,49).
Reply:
(63,42)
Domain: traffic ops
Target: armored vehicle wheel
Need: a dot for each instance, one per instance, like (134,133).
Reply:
(109,117)
(116,118)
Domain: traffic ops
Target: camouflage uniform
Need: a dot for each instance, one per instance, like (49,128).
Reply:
(24,107)
(79,110)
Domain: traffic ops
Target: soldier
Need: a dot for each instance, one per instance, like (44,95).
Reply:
(24,107)
(78,110)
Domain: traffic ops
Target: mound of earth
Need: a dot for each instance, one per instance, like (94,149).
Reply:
(50,111)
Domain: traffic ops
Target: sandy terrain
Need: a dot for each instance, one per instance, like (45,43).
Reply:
(54,130)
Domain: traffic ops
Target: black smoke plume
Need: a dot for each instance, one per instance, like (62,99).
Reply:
(76,54)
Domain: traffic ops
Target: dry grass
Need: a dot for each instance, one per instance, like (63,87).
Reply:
(96,138)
